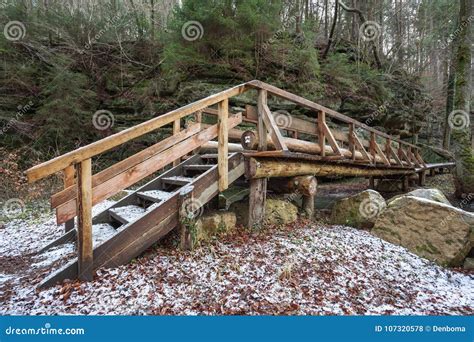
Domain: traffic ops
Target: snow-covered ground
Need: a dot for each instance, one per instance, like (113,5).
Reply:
(299,269)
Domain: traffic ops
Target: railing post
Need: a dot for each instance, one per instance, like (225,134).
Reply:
(176,129)
(84,219)
(372,147)
(223,148)
(321,133)
(388,149)
(68,181)
(258,187)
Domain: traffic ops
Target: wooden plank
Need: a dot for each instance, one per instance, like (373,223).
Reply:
(381,154)
(331,139)
(361,148)
(59,163)
(223,140)
(144,169)
(395,156)
(126,164)
(273,129)
(321,132)
(186,239)
(176,129)
(84,219)
(69,181)
(262,131)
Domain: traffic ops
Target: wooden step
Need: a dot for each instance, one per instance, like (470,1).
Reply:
(198,167)
(126,214)
(154,195)
(177,180)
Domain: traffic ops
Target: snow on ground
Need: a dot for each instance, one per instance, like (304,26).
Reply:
(300,269)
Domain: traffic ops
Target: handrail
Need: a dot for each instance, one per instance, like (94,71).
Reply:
(74,157)
(312,105)
(59,163)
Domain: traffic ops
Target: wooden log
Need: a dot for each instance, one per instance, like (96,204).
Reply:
(186,219)
(305,185)
(258,187)
(273,129)
(257,199)
(421,178)
(264,168)
(308,206)
(223,141)
(212,146)
(371,183)
(84,220)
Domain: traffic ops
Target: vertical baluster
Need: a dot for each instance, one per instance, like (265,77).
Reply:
(84,219)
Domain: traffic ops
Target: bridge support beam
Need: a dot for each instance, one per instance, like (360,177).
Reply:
(271,167)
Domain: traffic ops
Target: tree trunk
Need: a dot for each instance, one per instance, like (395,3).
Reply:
(461,132)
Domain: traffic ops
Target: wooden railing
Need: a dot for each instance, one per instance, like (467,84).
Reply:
(82,189)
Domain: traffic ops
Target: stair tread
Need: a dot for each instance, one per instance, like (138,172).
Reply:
(158,195)
(127,213)
(199,166)
(177,180)
(102,232)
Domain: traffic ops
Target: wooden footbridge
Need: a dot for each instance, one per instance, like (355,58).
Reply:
(333,144)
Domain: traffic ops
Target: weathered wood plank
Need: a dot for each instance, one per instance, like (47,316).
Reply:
(69,181)
(223,140)
(273,129)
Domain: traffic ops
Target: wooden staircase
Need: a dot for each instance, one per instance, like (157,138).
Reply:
(332,144)
(146,215)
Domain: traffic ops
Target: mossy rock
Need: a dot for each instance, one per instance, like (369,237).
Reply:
(359,211)
(429,194)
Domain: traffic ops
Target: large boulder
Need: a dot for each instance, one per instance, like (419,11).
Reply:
(278,211)
(436,231)
(213,224)
(430,194)
(359,211)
